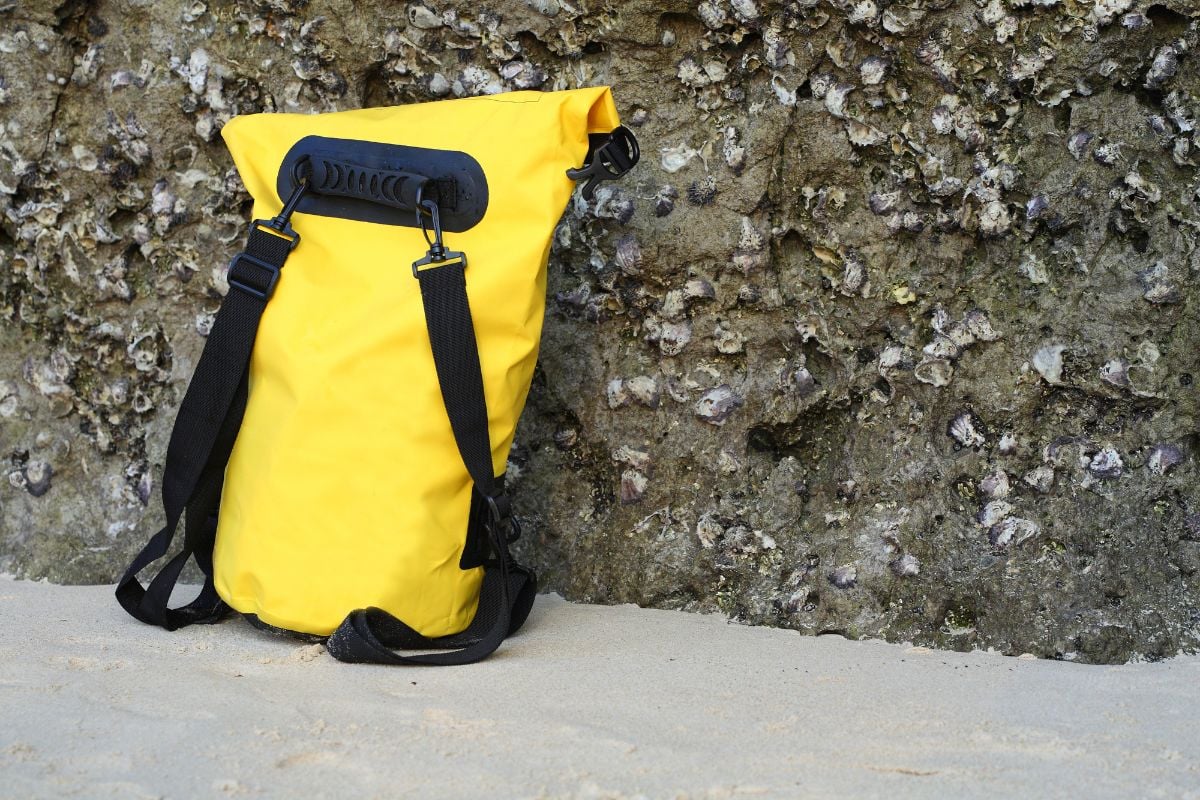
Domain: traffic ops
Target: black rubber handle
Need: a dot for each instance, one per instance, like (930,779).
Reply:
(378,182)
(386,187)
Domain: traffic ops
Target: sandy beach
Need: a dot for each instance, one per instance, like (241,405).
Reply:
(588,702)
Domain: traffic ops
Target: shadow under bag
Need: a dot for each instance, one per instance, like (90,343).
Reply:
(351,414)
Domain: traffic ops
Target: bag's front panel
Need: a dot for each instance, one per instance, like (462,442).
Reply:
(345,488)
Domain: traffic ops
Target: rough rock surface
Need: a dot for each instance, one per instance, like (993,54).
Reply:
(893,333)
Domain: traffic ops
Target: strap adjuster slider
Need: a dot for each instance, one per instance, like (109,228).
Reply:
(243,271)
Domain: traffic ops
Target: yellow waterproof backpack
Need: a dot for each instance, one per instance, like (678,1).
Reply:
(338,458)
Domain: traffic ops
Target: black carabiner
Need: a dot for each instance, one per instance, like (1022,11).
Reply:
(436,245)
(438,253)
(281,222)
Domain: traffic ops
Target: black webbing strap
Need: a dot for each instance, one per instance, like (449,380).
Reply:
(205,429)
(371,635)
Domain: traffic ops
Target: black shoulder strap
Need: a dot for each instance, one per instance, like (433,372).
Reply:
(205,429)
(370,635)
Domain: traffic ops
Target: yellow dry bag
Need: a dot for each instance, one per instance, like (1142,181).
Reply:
(338,458)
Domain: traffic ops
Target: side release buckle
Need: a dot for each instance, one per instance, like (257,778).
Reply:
(609,161)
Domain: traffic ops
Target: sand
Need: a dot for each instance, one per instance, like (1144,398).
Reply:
(589,702)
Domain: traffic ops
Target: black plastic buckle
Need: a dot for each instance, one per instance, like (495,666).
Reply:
(514,530)
(280,228)
(438,253)
(500,517)
(609,161)
(277,226)
(239,281)
(280,224)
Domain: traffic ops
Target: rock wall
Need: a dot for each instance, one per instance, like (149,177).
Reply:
(893,333)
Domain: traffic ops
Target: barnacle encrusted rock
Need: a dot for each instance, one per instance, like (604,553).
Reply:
(893,332)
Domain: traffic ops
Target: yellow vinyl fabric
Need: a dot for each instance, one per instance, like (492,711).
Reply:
(345,488)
